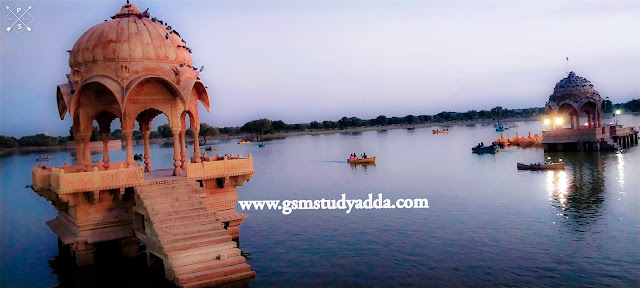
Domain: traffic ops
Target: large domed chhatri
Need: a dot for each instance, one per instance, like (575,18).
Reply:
(133,68)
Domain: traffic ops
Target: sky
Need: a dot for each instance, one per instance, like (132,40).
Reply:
(300,61)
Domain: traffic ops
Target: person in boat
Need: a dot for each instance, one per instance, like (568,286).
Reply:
(364,155)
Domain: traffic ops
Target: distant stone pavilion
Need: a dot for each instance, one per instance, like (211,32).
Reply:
(134,68)
(573,99)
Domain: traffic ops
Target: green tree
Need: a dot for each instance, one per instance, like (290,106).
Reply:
(95,134)
(116,134)
(278,125)
(315,125)
(207,131)
(8,142)
(382,120)
(165,131)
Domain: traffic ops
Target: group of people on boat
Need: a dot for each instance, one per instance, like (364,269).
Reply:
(138,157)
(354,156)
(480,145)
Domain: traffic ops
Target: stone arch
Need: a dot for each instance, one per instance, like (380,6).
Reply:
(170,86)
(90,100)
(191,86)
(63,98)
(114,86)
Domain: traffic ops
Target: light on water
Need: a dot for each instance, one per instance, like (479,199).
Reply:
(487,224)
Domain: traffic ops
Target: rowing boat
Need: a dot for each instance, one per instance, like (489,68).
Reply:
(486,149)
(440,131)
(244,142)
(550,166)
(362,160)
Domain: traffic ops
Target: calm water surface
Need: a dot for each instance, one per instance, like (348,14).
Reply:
(488,224)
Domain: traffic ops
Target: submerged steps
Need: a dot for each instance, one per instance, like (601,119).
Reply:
(196,249)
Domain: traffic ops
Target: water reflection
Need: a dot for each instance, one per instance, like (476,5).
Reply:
(577,192)
(363,166)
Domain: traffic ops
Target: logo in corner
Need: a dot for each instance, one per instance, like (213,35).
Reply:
(18,18)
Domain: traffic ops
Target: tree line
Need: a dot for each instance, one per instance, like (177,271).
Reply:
(264,126)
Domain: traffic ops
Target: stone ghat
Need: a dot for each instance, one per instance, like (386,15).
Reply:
(75,179)
(186,236)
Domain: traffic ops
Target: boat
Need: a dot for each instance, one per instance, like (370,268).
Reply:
(513,126)
(362,160)
(500,128)
(540,166)
(43,158)
(244,142)
(260,144)
(209,148)
(440,131)
(486,149)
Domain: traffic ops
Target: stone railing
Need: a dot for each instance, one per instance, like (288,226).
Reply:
(220,168)
(58,181)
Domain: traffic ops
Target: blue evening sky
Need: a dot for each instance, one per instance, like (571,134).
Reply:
(300,61)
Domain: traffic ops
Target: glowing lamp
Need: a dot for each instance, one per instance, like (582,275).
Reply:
(547,121)
(618,112)
(559,121)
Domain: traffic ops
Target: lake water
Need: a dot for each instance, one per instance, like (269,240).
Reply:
(487,224)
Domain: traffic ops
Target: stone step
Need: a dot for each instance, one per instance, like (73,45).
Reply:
(177,212)
(172,197)
(213,264)
(221,280)
(189,229)
(168,193)
(185,245)
(176,205)
(214,273)
(169,240)
(201,258)
(200,254)
(177,218)
(171,186)
(177,225)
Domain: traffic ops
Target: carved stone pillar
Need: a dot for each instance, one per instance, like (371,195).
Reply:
(128,136)
(79,151)
(589,118)
(147,154)
(183,151)
(196,145)
(86,151)
(176,152)
(104,136)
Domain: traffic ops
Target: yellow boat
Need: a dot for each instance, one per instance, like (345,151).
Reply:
(244,142)
(363,160)
(440,131)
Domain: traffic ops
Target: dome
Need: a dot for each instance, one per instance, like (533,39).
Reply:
(574,90)
(130,36)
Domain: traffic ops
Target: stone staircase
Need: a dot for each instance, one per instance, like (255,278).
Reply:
(195,247)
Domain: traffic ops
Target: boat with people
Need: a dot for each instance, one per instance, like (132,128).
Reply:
(210,148)
(444,131)
(513,126)
(244,142)
(485,149)
(540,166)
(260,144)
(43,158)
(362,160)
(500,128)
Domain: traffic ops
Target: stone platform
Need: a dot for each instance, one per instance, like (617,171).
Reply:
(188,222)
